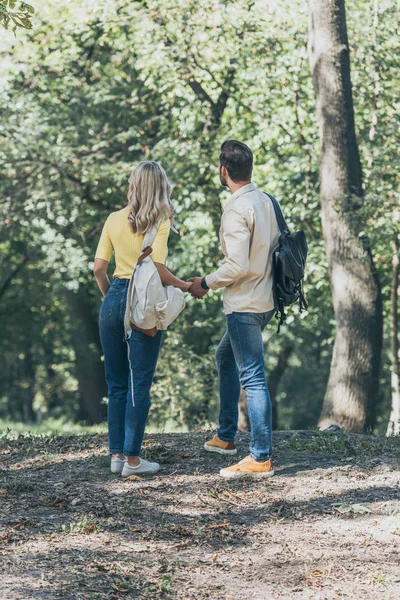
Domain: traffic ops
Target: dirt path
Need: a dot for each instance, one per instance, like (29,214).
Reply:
(326,526)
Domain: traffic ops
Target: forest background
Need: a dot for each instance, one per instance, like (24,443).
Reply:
(96,87)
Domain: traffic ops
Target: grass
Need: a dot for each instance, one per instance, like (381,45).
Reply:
(340,442)
(53,427)
(83,525)
(50,427)
(15,486)
(55,435)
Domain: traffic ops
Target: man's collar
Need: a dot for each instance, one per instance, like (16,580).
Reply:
(249,187)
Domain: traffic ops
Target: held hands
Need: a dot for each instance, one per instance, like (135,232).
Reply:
(196,290)
(186,286)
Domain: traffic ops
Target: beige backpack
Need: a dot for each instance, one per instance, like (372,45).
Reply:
(150,306)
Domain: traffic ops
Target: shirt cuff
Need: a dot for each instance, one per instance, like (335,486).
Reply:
(104,254)
(212,281)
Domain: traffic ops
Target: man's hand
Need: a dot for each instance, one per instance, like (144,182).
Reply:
(196,290)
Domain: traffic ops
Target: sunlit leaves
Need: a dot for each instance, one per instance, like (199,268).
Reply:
(14,15)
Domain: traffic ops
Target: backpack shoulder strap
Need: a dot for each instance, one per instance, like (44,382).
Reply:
(150,236)
(279,215)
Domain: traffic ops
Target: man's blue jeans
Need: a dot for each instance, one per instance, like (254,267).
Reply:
(240,362)
(129,368)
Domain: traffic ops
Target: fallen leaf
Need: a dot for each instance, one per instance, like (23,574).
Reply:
(342,508)
(120,588)
(133,477)
(139,547)
(360,509)
(316,573)
(351,508)
(181,455)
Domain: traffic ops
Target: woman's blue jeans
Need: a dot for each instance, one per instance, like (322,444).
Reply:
(240,362)
(129,368)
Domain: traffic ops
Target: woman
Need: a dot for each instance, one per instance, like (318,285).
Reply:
(148,203)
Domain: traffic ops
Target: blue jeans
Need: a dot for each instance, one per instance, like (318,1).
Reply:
(240,362)
(129,368)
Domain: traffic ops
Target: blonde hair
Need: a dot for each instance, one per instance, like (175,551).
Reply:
(149,196)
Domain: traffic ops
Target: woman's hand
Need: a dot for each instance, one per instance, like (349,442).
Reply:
(186,286)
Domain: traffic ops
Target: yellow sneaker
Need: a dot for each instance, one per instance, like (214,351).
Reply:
(248,467)
(219,446)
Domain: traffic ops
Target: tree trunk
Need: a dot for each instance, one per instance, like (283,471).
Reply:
(28,395)
(274,379)
(394,420)
(354,375)
(88,364)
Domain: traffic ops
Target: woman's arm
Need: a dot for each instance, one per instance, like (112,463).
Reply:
(100,272)
(167,278)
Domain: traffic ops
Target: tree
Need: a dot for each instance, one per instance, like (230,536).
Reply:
(394,419)
(95,88)
(354,374)
(88,352)
(17,14)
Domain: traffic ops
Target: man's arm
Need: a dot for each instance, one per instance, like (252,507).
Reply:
(237,245)
(236,262)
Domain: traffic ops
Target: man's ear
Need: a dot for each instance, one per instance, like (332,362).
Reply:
(224,172)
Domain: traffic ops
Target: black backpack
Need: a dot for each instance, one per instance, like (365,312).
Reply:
(288,263)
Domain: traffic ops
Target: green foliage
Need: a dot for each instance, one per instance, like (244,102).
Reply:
(96,88)
(14,15)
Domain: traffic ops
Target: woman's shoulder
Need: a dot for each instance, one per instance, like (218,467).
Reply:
(118,215)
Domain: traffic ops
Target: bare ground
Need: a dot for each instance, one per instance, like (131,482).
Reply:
(326,526)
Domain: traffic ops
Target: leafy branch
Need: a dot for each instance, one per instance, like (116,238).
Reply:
(17,14)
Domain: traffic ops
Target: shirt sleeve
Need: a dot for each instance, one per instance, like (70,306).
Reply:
(236,237)
(105,248)
(160,244)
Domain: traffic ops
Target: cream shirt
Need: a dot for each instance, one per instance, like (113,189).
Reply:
(249,234)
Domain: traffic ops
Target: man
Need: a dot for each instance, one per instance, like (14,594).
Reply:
(249,234)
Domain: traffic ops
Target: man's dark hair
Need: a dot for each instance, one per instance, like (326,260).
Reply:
(237,158)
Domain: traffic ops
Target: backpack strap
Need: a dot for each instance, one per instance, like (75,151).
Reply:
(127,315)
(150,236)
(279,215)
(148,241)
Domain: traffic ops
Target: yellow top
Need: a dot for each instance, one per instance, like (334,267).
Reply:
(117,236)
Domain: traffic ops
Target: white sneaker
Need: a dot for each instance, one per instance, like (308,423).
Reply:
(117,464)
(143,468)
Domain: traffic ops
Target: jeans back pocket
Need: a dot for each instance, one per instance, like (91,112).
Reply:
(108,304)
